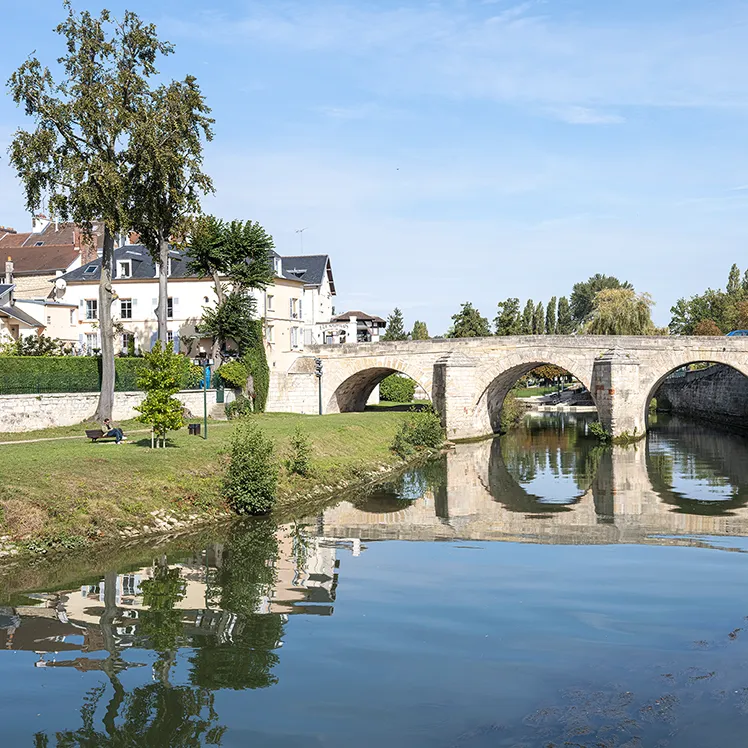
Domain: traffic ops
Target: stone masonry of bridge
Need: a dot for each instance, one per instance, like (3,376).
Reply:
(467,379)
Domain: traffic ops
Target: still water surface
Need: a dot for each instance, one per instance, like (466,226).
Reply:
(535,590)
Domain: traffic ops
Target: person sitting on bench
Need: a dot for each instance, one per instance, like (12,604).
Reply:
(111,429)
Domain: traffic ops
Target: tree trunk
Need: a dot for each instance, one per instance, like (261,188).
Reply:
(106,330)
(215,353)
(163,291)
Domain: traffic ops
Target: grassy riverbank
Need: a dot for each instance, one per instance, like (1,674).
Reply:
(64,491)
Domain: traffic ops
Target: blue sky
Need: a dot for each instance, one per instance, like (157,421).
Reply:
(461,150)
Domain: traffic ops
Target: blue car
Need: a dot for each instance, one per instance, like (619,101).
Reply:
(738,333)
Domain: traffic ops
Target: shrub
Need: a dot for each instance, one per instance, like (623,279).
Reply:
(300,460)
(239,408)
(235,374)
(512,413)
(422,430)
(251,479)
(596,429)
(397,389)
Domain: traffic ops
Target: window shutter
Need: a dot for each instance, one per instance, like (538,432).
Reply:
(154,338)
(82,303)
(290,308)
(301,316)
(154,302)
(176,341)
(174,302)
(82,341)
(134,302)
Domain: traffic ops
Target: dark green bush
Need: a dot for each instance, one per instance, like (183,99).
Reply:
(397,389)
(239,408)
(422,430)
(251,479)
(300,460)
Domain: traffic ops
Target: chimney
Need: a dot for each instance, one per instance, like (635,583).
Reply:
(9,271)
(40,223)
(7,230)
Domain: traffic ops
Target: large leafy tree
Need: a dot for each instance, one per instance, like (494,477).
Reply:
(528,315)
(550,317)
(79,155)
(621,311)
(395,326)
(420,331)
(168,181)
(469,323)
(237,255)
(565,323)
(583,294)
(507,320)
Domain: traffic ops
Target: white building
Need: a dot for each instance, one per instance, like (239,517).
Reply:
(295,308)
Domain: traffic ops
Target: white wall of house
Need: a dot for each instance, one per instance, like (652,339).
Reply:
(59,320)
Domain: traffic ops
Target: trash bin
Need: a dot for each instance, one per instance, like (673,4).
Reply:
(193,429)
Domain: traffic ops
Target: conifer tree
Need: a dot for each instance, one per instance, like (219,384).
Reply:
(395,326)
(550,317)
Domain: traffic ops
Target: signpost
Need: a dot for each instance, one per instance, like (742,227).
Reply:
(318,374)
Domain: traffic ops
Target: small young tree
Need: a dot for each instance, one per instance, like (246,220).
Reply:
(395,327)
(550,317)
(420,331)
(251,479)
(161,378)
(300,459)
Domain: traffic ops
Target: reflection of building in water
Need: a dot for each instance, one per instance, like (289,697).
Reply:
(303,580)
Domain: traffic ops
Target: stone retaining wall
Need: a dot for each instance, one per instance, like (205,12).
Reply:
(718,394)
(32,412)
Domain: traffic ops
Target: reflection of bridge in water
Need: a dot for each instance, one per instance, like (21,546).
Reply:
(686,481)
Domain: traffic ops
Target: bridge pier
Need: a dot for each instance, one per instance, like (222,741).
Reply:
(454,395)
(616,389)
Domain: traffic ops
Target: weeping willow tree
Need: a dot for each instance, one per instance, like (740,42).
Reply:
(621,311)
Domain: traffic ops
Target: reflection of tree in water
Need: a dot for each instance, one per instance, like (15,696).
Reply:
(554,445)
(240,652)
(678,448)
(151,716)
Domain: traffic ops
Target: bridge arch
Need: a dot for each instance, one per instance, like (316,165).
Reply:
(495,380)
(348,383)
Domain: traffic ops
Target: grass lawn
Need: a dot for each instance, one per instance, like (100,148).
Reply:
(78,487)
(534,391)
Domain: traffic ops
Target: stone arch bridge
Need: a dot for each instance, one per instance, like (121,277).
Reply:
(467,379)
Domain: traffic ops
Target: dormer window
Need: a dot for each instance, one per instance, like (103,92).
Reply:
(124,269)
(39,244)
(90,270)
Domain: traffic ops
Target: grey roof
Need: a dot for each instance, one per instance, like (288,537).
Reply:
(310,269)
(20,315)
(5,287)
(142,265)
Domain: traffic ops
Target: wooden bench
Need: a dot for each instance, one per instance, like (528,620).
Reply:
(97,434)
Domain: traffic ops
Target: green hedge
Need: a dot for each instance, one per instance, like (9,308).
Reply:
(397,389)
(29,375)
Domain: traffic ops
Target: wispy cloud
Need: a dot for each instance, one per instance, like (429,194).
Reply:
(581,115)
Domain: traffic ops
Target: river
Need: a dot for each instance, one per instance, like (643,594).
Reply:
(532,590)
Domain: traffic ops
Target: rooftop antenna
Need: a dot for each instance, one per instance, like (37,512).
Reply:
(300,232)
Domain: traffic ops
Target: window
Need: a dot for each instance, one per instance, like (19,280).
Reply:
(270,334)
(49,320)
(39,244)
(128,343)
(170,307)
(293,308)
(90,270)
(91,343)
(270,302)
(294,337)
(92,309)
(124,269)
(169,337)
(125,308)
